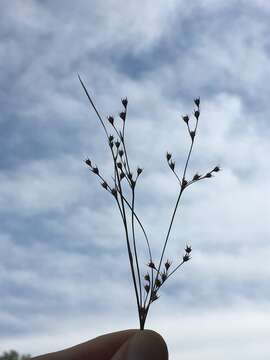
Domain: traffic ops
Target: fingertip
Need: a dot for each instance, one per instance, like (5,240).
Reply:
(143,345)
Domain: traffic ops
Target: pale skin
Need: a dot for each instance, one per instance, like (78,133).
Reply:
(122,345)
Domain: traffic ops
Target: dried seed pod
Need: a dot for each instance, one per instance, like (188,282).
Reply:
(114,192)
(208,175)
(168,156)
(167,265)
(154,296)
(119,165)
(121,152)
(95,170)
(216,169)
(122,115)
(111,119)
(139,171)
(147,277)
(185,118)
(188,249)
(117,144)
(157,283)
(184,183)
(196,177)
(151,265)
(197,102)
(88,162)
(104,185)
(192,135)
(197,114)
(186,258)
(164,277)
(147,288)
(124,102)
(172,165)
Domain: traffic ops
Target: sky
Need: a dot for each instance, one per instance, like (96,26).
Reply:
(64,272)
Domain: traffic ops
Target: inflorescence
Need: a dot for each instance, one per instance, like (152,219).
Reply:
(146,287)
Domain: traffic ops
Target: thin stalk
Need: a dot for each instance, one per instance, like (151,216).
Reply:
(178,199)
(134,245)
(177,267)
(128,245)
(93,105)
(123,214)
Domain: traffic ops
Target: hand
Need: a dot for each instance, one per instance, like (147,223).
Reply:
(121,345)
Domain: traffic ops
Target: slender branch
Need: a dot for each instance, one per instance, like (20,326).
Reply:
(123,214)
(134,245)
(178,199)
(93,105)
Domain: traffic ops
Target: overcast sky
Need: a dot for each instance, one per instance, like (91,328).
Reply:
(64,273)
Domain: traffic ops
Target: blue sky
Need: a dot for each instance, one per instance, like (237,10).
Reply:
(64,275)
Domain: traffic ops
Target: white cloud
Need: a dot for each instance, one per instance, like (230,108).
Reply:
(82,264)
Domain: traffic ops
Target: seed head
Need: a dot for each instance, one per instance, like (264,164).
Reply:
(168,156)
(186,258)
(104,185)
(122,115)
(111,119)
(117,144)
(196,177)
(147,277)
(216,169)
(185,118)
(188,249)
(114,192)
(197,102)
(95,170)
(119,165)
(111,138)
(208,175)
(167,265)
(147,288)
(197,114)
(184,183)
(192,135)
(88,162)
(124,102)
(151,265)
(154,296)
(164,276)
(121,152)
(172,165)
(139,171)
(157,283)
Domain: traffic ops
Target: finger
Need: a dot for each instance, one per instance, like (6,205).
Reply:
(101,348)
(143,345)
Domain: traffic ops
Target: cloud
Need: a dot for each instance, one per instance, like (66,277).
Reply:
(63,263)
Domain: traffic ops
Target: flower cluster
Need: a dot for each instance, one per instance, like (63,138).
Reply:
(146,287)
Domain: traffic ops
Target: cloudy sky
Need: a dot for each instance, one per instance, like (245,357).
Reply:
(64,273)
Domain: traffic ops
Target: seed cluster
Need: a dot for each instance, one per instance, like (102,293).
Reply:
(146,286)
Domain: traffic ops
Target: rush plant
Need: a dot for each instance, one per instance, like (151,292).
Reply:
(122,189)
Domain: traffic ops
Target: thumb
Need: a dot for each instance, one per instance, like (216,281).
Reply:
(143,345)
